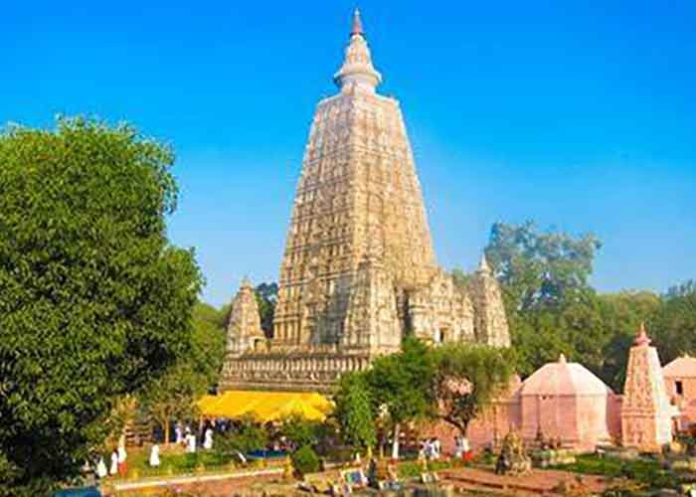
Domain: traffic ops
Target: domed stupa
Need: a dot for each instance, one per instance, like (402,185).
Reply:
(564,400)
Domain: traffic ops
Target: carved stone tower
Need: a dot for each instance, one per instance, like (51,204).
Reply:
(490,323)
(645,412)
(244,331)
(359,270)
(358,196)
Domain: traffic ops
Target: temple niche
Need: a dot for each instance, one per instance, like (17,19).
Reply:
(359,271)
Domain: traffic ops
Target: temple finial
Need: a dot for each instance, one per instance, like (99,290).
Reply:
(642,337)
(246,282)
(357,27)
(483,265)
(562,358)
(357,72)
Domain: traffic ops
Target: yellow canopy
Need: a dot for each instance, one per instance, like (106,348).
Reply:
(265,406)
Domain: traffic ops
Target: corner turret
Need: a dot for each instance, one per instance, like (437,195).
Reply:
(490,321)
(244,331)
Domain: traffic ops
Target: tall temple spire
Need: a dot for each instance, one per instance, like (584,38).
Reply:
(483,265)
(357,71)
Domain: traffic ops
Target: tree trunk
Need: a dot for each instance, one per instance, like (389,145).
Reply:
(166,431)
(395,441)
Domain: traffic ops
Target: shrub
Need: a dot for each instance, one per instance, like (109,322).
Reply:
(305,460)
(249,436)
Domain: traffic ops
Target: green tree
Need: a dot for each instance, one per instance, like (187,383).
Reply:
(540,269)
(550,305)
(467,379)
(300,431)
(355,410)
(400,384)
(93,299)
(674,324)
(247,436)
(173,395)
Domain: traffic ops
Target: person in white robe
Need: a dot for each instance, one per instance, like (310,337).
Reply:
(190,443)
(208,438)
(155,456)
(101,468)
(178,435)
(113,470)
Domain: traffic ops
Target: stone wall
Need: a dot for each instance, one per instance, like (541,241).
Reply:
(313,371)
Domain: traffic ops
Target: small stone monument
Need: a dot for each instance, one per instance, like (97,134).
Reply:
(645,414)
(513,458)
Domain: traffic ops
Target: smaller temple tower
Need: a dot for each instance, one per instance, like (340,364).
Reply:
(490,322)
(244,333)
(645,414)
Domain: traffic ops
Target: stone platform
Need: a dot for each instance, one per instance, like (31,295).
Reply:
(537,482)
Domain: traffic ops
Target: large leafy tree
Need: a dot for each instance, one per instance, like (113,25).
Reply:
(467,379)
(540,269)
(94,301)
(550,305)
(401,385)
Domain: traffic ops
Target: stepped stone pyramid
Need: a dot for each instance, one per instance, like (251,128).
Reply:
(359,269)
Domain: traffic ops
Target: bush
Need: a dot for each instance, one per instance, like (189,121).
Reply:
(305,460)
(300,431)
(249,436)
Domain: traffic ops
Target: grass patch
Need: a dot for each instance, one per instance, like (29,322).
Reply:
(413,469)
(174,463)
(645,471)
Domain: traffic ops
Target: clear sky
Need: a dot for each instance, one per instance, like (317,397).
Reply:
(577,114)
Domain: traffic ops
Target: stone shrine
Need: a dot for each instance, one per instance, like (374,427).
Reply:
(359,269)
(646,414)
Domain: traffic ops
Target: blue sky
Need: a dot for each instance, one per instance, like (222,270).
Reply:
(578,115)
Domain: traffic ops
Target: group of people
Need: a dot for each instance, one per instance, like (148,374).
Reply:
(430,449)
(462,448)
(186,437)
(182,436)
(118,462)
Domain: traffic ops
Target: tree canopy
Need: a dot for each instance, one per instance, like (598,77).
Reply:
(552,307)
(674,324)
(468,378)
(94,301)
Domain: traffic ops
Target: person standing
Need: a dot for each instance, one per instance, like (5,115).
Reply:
(122,456)
(178,435)
(208,438)
(113,470)
(102,472)
(190,443)
(154,456)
